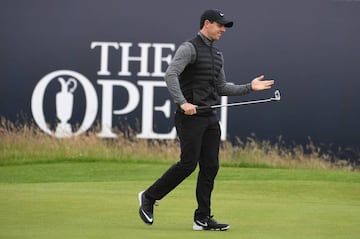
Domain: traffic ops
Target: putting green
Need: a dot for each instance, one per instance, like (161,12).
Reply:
(99,200)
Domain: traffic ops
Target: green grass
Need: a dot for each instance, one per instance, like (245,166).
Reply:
(86,187)
(99,200)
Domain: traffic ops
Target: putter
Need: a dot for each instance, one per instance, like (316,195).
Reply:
(275,98)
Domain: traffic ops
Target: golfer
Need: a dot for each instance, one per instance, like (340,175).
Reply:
(196,77)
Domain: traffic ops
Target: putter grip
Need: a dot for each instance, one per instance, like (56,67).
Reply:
(205,107)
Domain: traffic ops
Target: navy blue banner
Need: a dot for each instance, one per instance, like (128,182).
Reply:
(70,64)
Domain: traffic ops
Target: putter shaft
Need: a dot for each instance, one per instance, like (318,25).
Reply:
(276,98)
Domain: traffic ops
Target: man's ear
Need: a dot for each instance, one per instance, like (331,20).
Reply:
(206,22)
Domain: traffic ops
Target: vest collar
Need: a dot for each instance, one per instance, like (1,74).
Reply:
(205,39)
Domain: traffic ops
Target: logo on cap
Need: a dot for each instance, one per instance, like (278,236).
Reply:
(221,14)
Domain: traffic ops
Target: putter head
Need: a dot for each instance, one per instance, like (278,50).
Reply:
(277,95)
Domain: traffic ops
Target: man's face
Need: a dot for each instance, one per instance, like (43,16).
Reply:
(214,30)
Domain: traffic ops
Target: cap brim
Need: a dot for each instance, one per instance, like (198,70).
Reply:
(226,23)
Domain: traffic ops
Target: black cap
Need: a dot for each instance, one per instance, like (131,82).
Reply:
(214,15)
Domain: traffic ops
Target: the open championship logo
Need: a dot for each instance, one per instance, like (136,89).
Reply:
(140,88)
(68,81)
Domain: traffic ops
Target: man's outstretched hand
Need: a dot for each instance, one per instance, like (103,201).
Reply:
(259,83)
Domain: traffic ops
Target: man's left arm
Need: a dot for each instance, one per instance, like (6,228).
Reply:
(226,88)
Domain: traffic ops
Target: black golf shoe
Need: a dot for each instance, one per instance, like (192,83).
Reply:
(209,224)
(146,209)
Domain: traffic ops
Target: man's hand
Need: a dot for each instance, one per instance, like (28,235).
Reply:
(188,108)
(259,83)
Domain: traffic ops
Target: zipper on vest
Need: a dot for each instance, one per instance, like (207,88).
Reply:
(212,61)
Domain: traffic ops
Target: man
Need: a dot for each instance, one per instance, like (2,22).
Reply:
(196,77)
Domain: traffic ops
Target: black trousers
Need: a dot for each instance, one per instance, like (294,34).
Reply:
(199,141)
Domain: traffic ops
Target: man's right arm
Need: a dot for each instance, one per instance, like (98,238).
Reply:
(184,55)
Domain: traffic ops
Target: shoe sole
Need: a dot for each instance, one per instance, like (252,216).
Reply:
(143,216)
(196,227)
(139,197)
